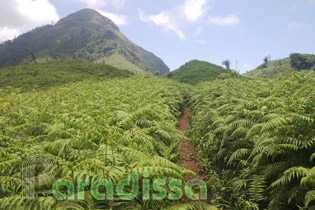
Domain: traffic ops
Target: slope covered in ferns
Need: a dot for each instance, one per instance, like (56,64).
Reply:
(91,130)
(256,141)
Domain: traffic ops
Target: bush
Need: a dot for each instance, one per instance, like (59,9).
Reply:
(302,61)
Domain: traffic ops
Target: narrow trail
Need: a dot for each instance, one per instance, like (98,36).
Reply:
(187,151)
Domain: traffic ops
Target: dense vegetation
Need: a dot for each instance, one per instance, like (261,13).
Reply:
(85,35)
(195,72)
(281,67)
(55,73)
(91,130)
(272,69)
(256,141)
(302,61)
(255,137)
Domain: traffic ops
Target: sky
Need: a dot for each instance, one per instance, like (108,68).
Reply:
(177,31)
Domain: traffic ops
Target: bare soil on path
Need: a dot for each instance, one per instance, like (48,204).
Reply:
(187,151)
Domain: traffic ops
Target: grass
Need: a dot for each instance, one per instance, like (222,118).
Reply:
(273,69)
(119,61)
(55,73)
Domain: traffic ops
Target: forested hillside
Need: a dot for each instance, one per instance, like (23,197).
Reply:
(85,35)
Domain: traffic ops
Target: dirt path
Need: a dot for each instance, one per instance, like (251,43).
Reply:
(187,151)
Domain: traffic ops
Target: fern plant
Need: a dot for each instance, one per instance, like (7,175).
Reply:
(259,136)
(91,130)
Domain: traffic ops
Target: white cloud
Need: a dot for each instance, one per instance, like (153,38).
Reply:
(165,20)
(295,25)
(179,16)
(225,21)
(195,9)
(7,33)
(142,17)
(200,41)
(189,13)
(118,4)
(18,16)
(117,19)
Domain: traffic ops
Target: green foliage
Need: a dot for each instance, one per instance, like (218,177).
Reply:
(55,73)
(85,35)
(272,69)
(157,73)
(226,63)
(302,61)
(255,137)
(281,67)
(92,130)
(258,137)
(196,71)
(192,206)
(266,61)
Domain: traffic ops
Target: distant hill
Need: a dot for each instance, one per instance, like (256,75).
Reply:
(275,68)
(85,35)
(272,69)
(197,71)
(54,73)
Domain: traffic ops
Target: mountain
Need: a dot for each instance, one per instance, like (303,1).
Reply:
(197,71)
(55,73)
(85,35)
(280,67)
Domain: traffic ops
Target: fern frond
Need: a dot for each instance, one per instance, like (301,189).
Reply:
(18,202)
(238,154)
(239,132)
(289,175)
(309,197)
(192,206)
(274,123)
(257,188)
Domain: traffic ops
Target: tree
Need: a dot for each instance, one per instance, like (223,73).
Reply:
(157,73)
(227,64)
(33,56)
(266,61)
(300,61)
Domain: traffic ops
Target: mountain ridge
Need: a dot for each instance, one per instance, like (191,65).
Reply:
(85,35)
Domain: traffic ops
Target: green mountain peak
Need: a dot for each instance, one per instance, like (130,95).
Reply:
(88,16)
(85,35)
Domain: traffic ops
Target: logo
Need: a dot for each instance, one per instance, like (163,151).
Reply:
(41,170)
